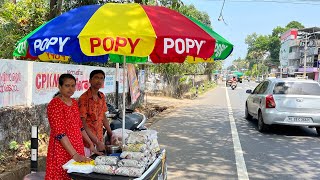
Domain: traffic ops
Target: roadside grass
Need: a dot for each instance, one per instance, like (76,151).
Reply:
(206,86)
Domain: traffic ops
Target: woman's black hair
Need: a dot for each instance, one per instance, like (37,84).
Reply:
(98,71)
(62,77)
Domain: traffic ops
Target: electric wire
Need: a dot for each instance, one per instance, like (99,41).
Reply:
(301,2)
(221,16)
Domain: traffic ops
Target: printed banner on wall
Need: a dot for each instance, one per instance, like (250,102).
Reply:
(142,79)
(26,83)
(13,82)
(133,83)
(46,80)
(46,77)
(110,81)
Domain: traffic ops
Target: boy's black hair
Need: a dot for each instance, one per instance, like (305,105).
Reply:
(98,71)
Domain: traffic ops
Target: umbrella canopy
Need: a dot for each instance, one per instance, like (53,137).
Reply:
(124,29)
(22,50)
(223,47)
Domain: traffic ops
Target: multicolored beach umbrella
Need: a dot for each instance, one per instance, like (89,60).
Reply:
(123,29)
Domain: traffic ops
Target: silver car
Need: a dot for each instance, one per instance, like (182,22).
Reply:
(285,101)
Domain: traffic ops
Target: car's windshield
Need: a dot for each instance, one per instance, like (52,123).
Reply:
(297,88)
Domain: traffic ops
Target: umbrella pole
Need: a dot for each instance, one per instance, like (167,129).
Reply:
(124,100)
(117,85)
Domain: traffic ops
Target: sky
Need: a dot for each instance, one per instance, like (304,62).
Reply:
(244,17)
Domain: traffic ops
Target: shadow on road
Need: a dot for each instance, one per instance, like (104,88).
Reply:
(285,152)
(199,144)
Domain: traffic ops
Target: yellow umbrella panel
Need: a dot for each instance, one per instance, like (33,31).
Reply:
(194,60)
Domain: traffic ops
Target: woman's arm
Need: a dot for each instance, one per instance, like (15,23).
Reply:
(106,124)
(65,142)
(88,140)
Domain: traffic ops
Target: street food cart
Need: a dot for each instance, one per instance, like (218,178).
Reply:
(157,170)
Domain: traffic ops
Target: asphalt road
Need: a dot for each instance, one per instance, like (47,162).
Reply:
(212,140)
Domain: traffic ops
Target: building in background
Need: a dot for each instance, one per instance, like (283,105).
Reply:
(292,52)
(289,53)
(311,36)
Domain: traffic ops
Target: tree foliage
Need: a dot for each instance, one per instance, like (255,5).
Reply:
(191,10)
(267,47)
(294,24)
(19,19)
(241,64)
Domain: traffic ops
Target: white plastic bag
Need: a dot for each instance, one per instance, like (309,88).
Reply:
(154,147)
(106,160)
(134,155)
(131,163)
(135,147)
(129,171)
(73,166)
(151,134)
(105,169)
(116,138)
(137,137)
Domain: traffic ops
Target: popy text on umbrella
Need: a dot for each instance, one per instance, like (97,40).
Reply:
(185,45)
(110,44)
(44,44)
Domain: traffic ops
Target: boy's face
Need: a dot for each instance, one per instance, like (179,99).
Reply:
(97,81)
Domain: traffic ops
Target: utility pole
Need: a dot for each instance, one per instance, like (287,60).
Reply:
(305,58)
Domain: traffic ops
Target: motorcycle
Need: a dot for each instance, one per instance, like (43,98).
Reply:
(134,121)
(233,85)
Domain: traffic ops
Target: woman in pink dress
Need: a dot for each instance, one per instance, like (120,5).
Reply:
(67,133)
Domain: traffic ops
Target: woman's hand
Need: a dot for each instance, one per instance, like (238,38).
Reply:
(100,146)
(93,149)
(79,158)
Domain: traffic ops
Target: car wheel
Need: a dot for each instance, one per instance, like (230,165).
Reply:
(262,127)
(318,130)
(247,115)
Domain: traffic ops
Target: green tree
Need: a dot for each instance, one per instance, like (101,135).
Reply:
(19,19)
(173,4)
(267,46)
(294,24)
(275,44)
(191,10)
(257,48)
(55,8)
(241,64)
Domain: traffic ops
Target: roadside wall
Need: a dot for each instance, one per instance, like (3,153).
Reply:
(157,84)
(27,87)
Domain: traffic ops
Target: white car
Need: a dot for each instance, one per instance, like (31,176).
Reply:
(286,101)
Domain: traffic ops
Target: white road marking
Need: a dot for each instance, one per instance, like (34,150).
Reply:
(241,164)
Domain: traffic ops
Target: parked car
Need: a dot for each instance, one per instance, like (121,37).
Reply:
(286,101)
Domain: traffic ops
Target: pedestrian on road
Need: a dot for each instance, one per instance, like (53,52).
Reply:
(67,133)
(93,106)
